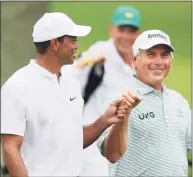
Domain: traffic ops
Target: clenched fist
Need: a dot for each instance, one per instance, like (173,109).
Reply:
(131,100)
(119,110)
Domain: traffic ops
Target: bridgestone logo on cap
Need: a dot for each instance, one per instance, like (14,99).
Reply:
(156,36)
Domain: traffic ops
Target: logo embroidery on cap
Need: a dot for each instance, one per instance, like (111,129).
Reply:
(128,14)
(157,36)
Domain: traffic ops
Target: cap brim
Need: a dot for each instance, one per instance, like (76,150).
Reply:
(150,45)
(80,31)
(127,22)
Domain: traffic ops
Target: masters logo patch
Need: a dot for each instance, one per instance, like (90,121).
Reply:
(128,14)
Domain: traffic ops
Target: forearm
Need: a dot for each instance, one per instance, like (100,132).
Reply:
(14,163)
(115,143)
(92,132)
(83,63)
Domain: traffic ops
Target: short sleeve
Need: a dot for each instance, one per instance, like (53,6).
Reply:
(110,99)
(188,132)
(12,111)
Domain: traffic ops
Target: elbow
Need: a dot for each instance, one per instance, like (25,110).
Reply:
(9,150)
(114,157)
(6,151)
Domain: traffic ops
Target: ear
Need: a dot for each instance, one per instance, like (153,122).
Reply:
(110,30)
(171,66)
(138,32)
(135,62)
(54,45)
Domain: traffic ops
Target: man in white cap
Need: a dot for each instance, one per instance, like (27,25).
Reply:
(41,106)
(159,128)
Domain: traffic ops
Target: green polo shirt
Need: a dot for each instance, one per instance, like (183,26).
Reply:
(159,134)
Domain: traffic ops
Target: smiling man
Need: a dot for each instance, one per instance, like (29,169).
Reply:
(159,128)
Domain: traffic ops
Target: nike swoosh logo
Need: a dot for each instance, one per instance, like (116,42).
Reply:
(71,99)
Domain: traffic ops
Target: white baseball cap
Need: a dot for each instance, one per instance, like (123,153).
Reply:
(56,24)
(150,38)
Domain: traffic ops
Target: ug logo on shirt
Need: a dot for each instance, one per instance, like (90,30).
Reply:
(146,115)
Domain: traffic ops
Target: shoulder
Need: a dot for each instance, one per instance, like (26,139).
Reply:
(95,49)
(99,44)
(129,86)
(178,98)
(17,80)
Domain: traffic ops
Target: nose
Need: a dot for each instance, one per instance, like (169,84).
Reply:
(126,34)
(76,45)
(158,60)
(130,37)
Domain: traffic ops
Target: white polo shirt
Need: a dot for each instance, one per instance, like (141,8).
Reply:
(159,134)
(48,114)
(117,73)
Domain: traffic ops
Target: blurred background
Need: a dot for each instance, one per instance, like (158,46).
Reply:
(174,18)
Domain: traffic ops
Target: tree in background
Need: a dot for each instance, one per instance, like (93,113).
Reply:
(17,20)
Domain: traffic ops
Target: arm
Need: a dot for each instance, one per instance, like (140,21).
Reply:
(93,131)
(11,146)
(113,115)
(13,125)
(113,143)
(83,65)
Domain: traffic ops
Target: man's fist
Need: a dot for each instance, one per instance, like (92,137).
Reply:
(131,99)
(120,109)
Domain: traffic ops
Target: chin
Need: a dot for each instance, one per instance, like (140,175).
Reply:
(157,80)
(71,62)
(67,63)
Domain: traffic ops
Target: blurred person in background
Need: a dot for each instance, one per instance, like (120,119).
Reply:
(159,127)
(102,68)
(41,106)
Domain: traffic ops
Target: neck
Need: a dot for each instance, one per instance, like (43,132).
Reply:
(157,86)
(127,58)
(49,63)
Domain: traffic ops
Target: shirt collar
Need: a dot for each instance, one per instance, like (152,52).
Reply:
(42,71)
(118,59)
(145,89)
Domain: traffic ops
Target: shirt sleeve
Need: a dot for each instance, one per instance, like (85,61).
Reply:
(188,132)
(110,99)
(12,111)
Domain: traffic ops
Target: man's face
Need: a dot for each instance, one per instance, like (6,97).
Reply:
(67,50)
(124,37)
(153,65)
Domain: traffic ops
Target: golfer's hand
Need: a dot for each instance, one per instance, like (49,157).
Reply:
(131,100)
(115,113)
(120,109)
